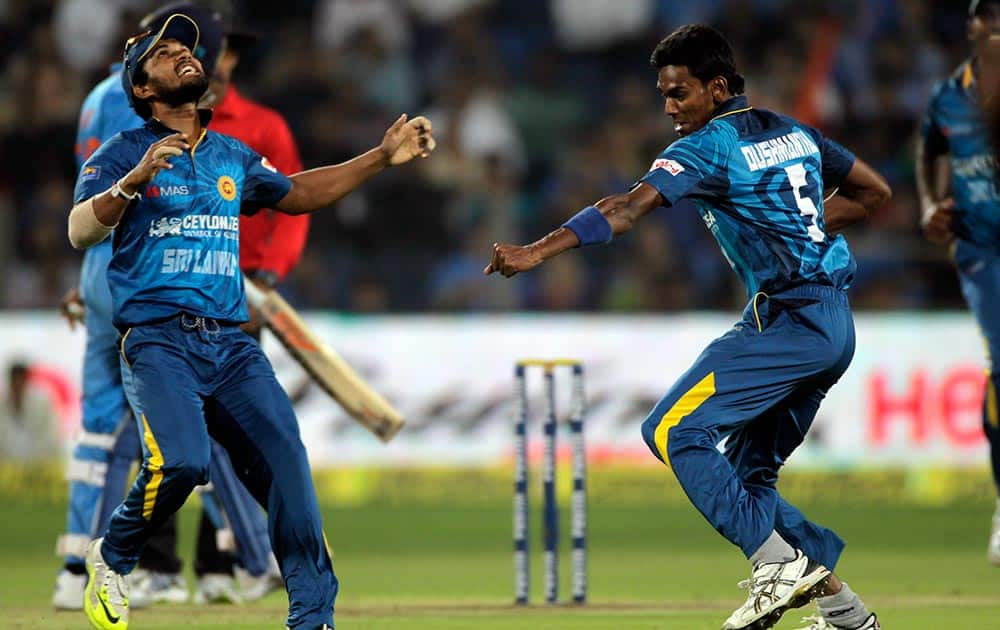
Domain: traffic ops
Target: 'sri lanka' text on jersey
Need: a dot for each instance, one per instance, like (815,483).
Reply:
(757,179)
(176,249)
(954,125)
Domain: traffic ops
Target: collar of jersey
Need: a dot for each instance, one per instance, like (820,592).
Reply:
(735,105)
(968,78)
(158,127)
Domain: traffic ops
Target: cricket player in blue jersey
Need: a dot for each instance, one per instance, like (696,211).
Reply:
(954,140)
(758,180)
(100,468)
(177,300)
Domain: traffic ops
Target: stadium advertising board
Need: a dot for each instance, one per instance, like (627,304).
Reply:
(911,398)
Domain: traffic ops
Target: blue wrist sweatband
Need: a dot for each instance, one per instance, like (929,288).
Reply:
(590,227)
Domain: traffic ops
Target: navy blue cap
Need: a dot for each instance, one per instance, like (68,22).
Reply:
(197,28)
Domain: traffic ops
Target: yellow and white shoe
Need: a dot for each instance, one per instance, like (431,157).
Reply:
(105,600)
(774,588)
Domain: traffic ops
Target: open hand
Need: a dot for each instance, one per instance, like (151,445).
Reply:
(407,139)
(510,259)
(938,222)
(154,161)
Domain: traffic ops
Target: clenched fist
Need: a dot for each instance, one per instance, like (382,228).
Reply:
(407,139)
(511,259)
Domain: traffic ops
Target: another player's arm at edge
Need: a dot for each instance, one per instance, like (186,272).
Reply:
(936,205)
(862,191)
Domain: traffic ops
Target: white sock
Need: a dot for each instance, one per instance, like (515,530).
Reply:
(774,549)
(843,609)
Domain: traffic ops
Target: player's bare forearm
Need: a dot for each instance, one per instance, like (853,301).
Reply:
(320,187)
(620,211)
(862,192)
(91,220)
(840,213)
(933,174)
(405,140)
(109,210)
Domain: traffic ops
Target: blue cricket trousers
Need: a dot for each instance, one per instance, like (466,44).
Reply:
(757,387)
(979,274)
(189,379)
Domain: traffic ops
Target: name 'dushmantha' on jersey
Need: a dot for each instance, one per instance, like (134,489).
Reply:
(177,248)
(757,178)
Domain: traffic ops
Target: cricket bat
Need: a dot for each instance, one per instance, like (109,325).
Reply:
(326,367)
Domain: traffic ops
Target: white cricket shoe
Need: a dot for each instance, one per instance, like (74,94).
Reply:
(993,549)
(69,591)
(774,588)
(216,588)
(152,587)
(817,622)
(105,600)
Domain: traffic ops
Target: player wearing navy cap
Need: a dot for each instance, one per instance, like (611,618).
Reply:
(954,139)
(758,179)
(178,300)
(100,467)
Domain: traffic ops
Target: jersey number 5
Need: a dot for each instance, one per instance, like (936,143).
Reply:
(807,207)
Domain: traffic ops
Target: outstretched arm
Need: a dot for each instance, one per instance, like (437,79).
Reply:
(619,211)
(320,187)
(862,191)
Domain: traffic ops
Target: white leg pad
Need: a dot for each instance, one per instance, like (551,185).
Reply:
(103,441)
(90,473)
(72,545)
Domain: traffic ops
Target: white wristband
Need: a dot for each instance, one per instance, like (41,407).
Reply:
(117,191)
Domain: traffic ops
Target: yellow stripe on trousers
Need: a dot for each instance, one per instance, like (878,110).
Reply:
(155,468)
(685,406)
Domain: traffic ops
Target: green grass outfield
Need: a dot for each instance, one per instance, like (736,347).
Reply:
(659,566)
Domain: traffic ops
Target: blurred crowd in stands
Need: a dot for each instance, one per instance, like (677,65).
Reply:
(540,106)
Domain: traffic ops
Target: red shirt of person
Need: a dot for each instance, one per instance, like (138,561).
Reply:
(271,243)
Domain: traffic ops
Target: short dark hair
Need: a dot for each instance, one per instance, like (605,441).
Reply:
(142,106)
(705,51)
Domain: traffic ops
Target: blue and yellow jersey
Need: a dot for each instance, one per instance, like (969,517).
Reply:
(757,179)
(176,249)
(954,125)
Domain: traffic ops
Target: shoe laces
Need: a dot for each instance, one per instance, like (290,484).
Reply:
(762,585)
(115,587)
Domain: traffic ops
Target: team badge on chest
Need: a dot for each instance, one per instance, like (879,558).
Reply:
(227,187)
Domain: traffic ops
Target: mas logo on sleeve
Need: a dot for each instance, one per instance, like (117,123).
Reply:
(90,172)
(267,164)
(669,166)
(227,188)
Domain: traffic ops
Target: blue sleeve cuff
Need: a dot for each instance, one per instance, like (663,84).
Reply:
(590,226)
